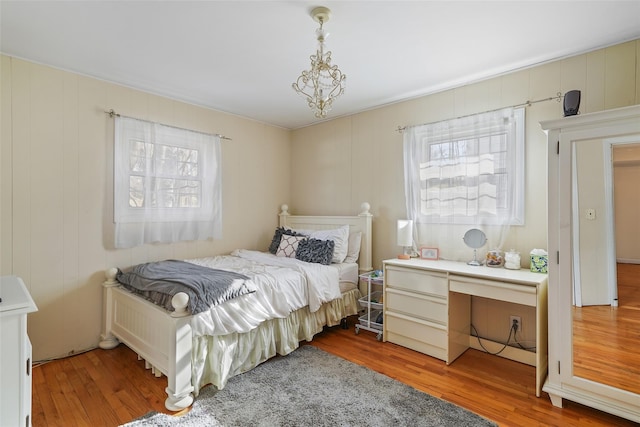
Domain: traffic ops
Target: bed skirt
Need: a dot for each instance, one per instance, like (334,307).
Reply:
(217,358)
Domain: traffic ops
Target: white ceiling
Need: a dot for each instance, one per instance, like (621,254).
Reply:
(242,56)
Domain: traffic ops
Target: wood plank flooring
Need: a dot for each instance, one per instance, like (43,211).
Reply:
(606,339)
(111,387)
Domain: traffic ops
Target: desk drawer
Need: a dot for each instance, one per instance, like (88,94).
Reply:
(425,337)
(501,291)
(422,306)
(415,280)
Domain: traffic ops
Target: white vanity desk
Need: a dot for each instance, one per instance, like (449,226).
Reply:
(427,307)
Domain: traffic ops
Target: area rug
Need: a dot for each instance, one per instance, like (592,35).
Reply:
(311,387)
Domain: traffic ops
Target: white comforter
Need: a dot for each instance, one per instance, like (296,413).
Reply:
(283,285)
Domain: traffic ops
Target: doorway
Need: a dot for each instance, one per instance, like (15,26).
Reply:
(605,340)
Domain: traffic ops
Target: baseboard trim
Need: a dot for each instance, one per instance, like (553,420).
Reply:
(628,261)
(512,353)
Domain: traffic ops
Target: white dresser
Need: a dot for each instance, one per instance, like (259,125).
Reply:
(15,353)
(427,307)
(416,314)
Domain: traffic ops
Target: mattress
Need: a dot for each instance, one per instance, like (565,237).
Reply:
(348,274)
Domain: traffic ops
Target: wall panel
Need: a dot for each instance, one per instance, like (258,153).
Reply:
(6,168)
(620,75)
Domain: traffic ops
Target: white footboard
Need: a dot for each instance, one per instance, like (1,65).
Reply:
(161,338)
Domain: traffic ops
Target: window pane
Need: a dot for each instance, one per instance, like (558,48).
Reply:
(187,162)
(136,191)
(139,153)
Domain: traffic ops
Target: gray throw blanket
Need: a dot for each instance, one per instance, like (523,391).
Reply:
(160,281)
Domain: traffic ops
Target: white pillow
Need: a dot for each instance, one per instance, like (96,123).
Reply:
(340,236)
(289,245)
(353,252)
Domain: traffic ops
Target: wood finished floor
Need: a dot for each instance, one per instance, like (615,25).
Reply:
(111,387)
(606,340)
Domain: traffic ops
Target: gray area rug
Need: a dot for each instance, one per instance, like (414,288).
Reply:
(311,387)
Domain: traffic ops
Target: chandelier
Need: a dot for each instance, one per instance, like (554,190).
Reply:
(324,82)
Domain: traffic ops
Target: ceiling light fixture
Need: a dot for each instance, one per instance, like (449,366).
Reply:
(324,82)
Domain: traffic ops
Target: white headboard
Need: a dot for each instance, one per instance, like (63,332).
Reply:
(361,222)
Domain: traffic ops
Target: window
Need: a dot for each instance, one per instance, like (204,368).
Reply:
(164,176)
(166,183)
(468,170)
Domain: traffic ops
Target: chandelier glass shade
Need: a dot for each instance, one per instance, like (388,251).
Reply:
(323,82)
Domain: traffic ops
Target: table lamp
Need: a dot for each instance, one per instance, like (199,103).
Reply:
(405,237)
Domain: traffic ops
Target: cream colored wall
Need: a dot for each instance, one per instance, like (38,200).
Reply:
(369,166)
(626,174)
(589,170)
(56,201)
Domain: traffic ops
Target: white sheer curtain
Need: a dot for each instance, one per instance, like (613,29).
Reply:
(465,173)
(167,184)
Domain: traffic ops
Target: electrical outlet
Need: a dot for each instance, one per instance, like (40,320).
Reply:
(517,320)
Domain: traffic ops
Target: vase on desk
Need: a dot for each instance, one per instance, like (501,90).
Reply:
(494,258)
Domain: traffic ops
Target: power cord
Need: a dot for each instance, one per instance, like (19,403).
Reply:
(512,331)
(72,353)
(514,327)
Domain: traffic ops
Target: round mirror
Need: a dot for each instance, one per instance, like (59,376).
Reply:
(475,239)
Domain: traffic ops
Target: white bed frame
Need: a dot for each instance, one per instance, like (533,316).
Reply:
(163,339)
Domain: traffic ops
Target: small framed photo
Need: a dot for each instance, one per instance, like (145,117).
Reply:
(429,253)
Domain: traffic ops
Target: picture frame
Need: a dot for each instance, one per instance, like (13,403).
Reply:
(429,253)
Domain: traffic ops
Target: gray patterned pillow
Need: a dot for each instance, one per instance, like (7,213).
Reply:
(289,245)
(315,250)
(277,236)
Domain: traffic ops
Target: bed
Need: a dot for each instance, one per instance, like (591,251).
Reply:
(175,343)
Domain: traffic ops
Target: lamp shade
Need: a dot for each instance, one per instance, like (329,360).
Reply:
(405,232)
